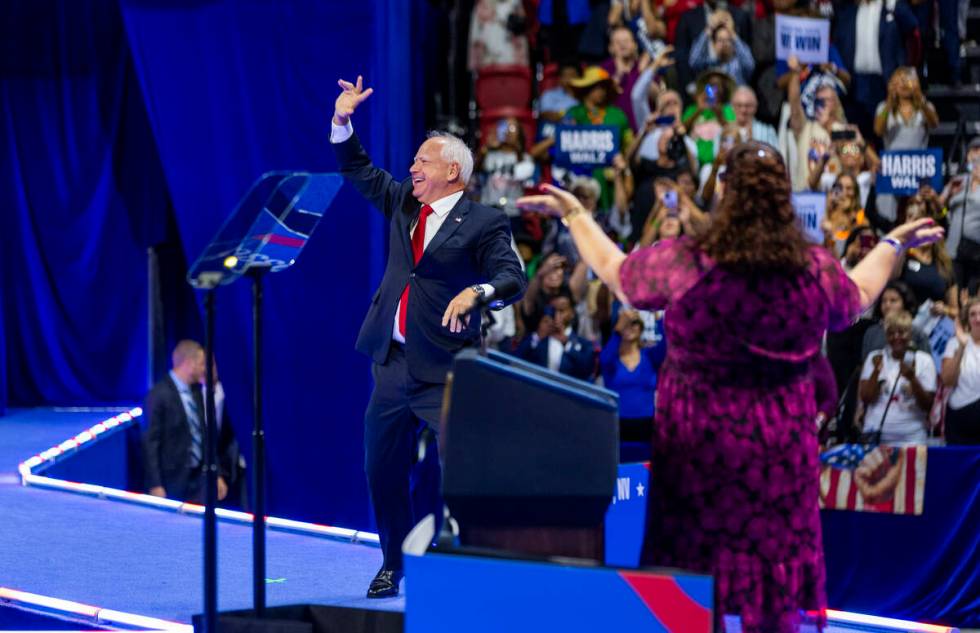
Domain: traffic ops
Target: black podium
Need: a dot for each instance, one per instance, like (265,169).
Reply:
(530,456)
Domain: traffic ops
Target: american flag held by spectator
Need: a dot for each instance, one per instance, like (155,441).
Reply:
(888,479)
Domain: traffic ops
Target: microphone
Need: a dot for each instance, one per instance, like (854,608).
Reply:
(507,288)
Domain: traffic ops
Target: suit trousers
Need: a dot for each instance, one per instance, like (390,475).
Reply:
(403,489)
(867,91)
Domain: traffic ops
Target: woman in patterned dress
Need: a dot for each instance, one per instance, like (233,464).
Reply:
(734,474)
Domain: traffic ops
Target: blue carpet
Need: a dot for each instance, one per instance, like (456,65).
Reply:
(147,561)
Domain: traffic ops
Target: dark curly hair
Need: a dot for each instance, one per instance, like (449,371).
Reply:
(755,227)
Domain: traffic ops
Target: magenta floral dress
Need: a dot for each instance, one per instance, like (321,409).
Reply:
(734,473)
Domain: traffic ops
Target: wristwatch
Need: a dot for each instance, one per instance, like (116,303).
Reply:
(479,290)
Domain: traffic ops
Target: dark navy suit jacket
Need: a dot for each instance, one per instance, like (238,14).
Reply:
(471,247)
(578,361)
(895,25)
(167,440)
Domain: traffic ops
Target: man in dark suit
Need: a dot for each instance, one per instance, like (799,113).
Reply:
(692,23)
(445,252)
(555,344)
(173,442)
(871,36)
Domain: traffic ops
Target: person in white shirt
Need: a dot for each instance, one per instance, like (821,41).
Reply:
(897,386)
(961,373)
(745,104)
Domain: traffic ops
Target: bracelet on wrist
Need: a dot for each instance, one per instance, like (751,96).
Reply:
(571,215)
(891,241)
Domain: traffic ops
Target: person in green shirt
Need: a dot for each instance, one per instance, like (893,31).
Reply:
(595,90)
(711,112)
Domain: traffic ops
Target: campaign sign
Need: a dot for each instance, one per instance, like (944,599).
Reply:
(587,146)
(807,38)
(903,170)
(811,208)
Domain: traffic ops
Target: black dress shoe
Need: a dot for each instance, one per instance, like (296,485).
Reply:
(385,584)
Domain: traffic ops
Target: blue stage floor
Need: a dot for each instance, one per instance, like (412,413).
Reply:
(140,560)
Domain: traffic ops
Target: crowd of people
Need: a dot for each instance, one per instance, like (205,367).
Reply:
(682,84)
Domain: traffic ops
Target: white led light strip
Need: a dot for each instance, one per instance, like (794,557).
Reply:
(28,469)
(88,612)
(886,623)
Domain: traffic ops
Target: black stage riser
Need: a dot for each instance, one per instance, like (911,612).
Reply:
(308,618)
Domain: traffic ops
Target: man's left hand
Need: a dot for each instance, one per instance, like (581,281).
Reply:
(456,316)
(222,488)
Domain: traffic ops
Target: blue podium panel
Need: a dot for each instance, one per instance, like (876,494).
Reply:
(626,517)
(924,568)
(516,595)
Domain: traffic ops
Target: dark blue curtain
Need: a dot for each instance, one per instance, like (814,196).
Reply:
(3,345)
(73,252)
(132,124)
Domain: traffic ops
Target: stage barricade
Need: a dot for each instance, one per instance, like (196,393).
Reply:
(115,460)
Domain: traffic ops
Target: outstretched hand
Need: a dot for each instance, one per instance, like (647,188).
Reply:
(349,99)
(918,233)
(555,201)
(457,314)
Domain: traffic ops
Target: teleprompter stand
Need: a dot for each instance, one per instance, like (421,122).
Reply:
(265,234)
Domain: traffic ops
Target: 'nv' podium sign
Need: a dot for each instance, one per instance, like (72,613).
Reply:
(586,146)
(903,171)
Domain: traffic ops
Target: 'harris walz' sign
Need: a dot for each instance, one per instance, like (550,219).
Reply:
(903,170)
(585,146)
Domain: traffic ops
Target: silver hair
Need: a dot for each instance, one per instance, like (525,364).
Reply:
(747,89)
(454,150)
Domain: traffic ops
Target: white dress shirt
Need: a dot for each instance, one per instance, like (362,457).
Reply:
(440,211)
(867,58)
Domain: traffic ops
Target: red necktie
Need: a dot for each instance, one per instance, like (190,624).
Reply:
(418,245)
